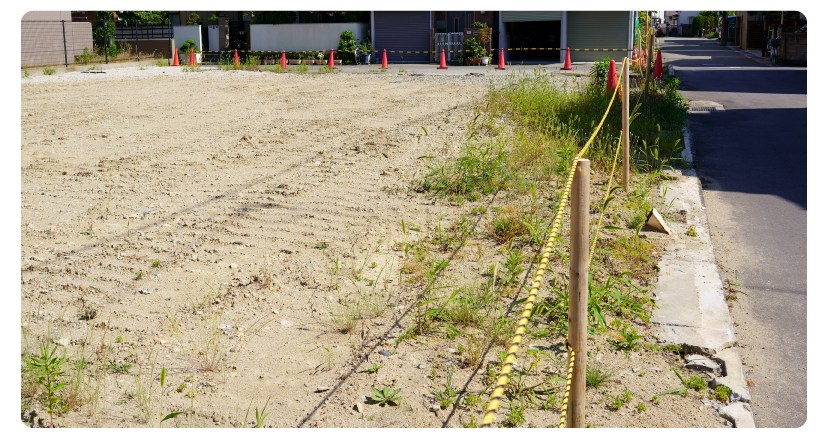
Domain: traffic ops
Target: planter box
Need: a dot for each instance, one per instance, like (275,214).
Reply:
(476,61)
(308,62)
(321,62)
(293,61)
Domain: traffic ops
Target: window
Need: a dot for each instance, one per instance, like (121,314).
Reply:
(175,19)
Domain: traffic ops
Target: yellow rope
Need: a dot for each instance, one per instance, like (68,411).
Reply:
(508,364)
(563,416)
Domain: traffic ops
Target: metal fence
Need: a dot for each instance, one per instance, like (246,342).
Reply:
(62,42)
(451,42)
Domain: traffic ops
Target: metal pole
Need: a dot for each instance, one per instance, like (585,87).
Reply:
(578,289)
(137,36)
(105,38)
(626,95)
(65,49)
(764,35)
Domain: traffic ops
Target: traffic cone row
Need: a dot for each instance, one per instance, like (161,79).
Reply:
(282,61)
(191,60)
(331,60)
(236,59)
(442,60)
(176,59)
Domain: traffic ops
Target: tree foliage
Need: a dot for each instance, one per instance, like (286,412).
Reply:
(274,17)
(145,17)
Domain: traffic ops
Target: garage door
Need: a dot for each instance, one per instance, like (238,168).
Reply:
(598,30)
(403,31)
(531,16)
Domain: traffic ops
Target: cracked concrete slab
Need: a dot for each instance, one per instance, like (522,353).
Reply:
(692,311)
(734,378)
(739,414)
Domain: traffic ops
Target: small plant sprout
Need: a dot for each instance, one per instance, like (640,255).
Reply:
(139,275)
(155,263)
(321,246)
(373,368)
(641,407)
(385,396)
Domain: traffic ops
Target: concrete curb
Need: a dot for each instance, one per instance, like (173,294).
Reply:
(692,309)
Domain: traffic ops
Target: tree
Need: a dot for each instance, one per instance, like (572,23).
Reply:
(274,17)
(193,19)
(145,17)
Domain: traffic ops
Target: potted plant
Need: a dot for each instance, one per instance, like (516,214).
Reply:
(187,46)
(367,48)
(473,52)
(306,58)
(320,56)
(346,46)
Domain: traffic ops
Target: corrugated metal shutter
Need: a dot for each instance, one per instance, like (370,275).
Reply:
(598,30)
(531,16)
(403,31)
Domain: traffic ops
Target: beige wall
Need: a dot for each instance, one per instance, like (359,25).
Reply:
(41,38)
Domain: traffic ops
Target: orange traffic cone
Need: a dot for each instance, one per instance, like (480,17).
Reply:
(612,77)
(642,58)
(442,60)
(567,66)
(236,59)
(176,59)
(658,66)
(331,59)
(501,59)
(384,60)
(634,59)
(282,61)
(191,61)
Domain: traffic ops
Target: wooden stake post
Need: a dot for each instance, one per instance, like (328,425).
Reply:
(578,289)
(626,94)
(649,54)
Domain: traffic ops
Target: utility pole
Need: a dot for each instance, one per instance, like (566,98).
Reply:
(723,34)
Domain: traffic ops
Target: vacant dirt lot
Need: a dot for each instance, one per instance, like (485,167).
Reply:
(211,222)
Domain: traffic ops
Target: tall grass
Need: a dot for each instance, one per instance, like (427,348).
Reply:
(547,107)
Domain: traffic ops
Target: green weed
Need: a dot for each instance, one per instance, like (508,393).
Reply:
(49,71)
(596,375)
(385,396)
(722,393)
(48,371)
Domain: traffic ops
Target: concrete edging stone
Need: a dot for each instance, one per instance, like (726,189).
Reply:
(692,311)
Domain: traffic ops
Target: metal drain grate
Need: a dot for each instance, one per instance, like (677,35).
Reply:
(703,109)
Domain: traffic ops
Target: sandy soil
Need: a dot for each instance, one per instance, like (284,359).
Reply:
(233,183)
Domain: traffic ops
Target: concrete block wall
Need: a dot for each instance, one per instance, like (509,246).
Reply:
(303,36)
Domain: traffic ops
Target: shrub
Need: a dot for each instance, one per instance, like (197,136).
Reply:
(599,72)
(85,57)
(193,19)
(189,44)
(346,46)
(472,49)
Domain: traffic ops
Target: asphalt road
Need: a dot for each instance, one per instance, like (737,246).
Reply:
(752,160)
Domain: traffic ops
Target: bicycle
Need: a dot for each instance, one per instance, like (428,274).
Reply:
(774,45)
